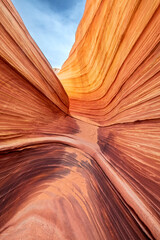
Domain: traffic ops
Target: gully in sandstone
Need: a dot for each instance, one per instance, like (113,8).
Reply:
(80,150)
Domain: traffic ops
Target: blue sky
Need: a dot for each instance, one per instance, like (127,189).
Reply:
(52,24)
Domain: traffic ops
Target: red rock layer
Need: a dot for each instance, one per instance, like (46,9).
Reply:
(63,178)
(66,196)
(30,93)
(112,72)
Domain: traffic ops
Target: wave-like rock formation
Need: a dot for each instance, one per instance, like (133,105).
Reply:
(80,156)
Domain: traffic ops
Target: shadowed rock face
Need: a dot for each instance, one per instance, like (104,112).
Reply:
(82,162)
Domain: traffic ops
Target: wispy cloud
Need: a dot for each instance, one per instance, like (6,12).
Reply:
(53,30)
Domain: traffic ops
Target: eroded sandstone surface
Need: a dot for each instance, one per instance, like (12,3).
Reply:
(80,151)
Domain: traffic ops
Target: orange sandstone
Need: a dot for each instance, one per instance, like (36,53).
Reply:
(79,155)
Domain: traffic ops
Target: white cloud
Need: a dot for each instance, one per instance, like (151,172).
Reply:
(53,32)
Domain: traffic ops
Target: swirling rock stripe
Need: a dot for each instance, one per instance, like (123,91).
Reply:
(119,75)
(58,192)
(84,166)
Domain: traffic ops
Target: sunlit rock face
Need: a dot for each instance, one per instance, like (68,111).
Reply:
(111,75)
(79,156)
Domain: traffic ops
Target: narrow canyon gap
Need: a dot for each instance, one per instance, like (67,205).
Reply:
(80,150)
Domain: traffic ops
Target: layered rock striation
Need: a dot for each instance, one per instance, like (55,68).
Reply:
(112,72)
(80,151)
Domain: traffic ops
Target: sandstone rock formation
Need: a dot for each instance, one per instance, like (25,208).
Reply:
(79,156)
(56,70)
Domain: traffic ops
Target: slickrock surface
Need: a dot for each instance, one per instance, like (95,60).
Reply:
(83,161)
(112,72)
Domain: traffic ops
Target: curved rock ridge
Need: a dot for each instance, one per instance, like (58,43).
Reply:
(30,93)
(112,72)
(82,161)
